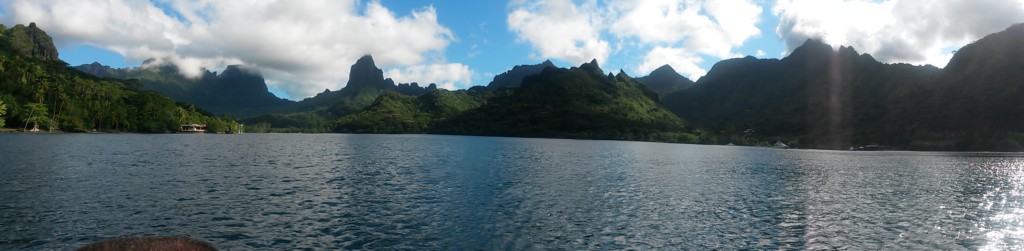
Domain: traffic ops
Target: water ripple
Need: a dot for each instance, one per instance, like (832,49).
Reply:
(295,191)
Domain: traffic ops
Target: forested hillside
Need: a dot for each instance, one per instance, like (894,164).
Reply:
(41,92)
(836,98)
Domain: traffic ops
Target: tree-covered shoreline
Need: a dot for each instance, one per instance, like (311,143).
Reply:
(40,92)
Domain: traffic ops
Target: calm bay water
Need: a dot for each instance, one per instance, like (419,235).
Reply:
(424,192)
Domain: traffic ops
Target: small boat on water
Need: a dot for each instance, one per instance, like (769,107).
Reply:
(780,145)
(193,128)
(872,147)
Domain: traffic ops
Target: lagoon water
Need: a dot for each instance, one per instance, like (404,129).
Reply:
(428,192)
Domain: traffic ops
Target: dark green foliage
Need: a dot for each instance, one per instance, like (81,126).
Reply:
(979,96)
(352,100)
(834,99)
(562,103)
(366,83)
(573,103)
(306,122)
(31,41)
(46,93)
(821,97)
(396,113)
(3,112)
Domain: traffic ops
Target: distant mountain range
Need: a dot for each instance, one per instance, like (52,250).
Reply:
(235,91)
(817,97)
(243,93)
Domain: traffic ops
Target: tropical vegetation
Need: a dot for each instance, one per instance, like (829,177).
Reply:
(41,92)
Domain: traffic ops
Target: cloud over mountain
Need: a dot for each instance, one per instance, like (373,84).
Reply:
(304,46)
(908,31)
(447,76)
(674,32)
(560,29)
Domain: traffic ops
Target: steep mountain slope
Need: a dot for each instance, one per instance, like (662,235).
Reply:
(977,102)
(243,93)
(365,83)
(580,102)
(514,77)
(236,91)
(834,99)
(41,92)
(817,97)
(30,41)
(665,80)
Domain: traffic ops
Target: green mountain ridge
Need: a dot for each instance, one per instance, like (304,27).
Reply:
(666,80)
(236,91)
(42,93)
(392,112)
(513,78)
(30,41)
(580,102)
(820,97)
(241,92)
(817,97)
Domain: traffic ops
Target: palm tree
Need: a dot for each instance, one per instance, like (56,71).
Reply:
(37,113)
(3,111)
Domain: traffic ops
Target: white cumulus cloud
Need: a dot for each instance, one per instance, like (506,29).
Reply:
(673,32)
(907,31)
(448,76)
(683,30)
(303,46)
(560,29)
(684,62)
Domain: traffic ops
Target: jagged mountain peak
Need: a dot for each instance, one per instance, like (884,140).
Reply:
(594,62)
(592,68)
(665,79)
(366,60)
(811,48)
(31,41)
(365,74)
(513,78)
(241,70)
(664,69)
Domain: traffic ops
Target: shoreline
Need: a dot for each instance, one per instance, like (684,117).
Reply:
(9,130)
(18,131)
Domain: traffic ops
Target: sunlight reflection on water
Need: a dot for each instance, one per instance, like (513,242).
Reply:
(1004,228)
(424,192)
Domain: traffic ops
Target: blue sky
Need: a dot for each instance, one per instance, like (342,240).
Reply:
(303,47)
(482,41)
